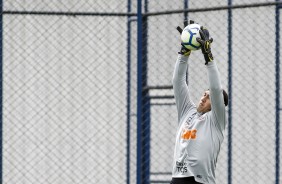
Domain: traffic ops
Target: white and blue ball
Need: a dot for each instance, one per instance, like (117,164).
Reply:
(189,35)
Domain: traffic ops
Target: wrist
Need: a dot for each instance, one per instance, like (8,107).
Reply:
(184,51)
(183,58)
(208,57)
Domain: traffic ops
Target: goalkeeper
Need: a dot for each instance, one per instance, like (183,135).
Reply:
(201,128)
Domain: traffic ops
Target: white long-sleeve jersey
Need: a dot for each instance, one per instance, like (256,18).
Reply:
(199,136)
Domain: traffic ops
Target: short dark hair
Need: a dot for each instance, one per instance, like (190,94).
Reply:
(225,97)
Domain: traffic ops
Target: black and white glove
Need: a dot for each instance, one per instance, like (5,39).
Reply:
(205,42)
(184,51)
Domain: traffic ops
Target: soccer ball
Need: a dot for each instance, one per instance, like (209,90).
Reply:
(189,35)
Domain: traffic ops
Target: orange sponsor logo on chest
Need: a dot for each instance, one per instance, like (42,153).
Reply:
(189,134)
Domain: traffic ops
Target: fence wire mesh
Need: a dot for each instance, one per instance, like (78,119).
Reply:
(70,89)
(64,94)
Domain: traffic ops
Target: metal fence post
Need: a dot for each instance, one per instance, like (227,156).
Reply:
(143,102)
(128,108)
(277,93)
(229,152)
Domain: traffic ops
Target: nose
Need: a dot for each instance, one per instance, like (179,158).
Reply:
(203,100)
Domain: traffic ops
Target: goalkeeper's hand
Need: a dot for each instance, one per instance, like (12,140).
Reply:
(184,51)
(205,42)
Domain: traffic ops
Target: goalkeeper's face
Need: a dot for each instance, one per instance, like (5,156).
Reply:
(204,103)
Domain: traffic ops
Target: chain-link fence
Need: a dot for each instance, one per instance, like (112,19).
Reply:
(87,97)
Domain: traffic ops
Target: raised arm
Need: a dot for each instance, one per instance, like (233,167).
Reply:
(216,95)
(179,79)
(180,87)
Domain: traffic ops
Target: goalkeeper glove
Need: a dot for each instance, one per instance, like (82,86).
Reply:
(184,51)
(205,42)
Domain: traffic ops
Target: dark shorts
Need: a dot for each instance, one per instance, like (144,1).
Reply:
(187,180)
